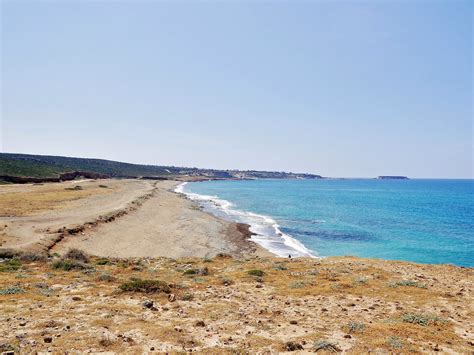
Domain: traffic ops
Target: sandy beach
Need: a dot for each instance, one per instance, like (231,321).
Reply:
(116,218)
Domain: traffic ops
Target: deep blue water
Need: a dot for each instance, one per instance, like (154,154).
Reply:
(426,221)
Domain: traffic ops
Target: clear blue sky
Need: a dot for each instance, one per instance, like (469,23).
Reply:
(337,88)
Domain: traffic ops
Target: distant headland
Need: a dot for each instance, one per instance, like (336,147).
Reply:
(26,168)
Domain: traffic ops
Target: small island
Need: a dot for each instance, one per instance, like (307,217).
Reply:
(392,177)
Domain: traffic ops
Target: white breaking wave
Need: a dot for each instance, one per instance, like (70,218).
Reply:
(266,229)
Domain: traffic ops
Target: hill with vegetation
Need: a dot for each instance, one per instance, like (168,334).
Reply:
(45,166)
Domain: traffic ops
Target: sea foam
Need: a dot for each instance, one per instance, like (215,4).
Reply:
(266,229)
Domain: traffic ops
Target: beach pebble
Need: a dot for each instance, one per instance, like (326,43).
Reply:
(48,339)
(171,297)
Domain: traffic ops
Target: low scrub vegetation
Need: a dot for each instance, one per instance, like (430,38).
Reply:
(145,286)
(201,271)
(406,283)
(422,319)
(256,272)
(356,327)
(69,264)
(395,342)
(10,265)
(12,290)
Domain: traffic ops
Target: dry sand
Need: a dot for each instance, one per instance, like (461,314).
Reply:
(128,218)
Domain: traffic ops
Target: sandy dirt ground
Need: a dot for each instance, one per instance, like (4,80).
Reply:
(117,218)
(236,306)
(167,224)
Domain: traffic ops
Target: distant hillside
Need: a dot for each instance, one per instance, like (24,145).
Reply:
(44,166)
(49,166)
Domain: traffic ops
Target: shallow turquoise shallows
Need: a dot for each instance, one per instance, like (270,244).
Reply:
(426,221)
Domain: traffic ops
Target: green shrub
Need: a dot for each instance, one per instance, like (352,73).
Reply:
(256,272)
(422,319)
(12,290)
(406,283)
(355,327)
(395,342)
(10,265)
(145,286)
(202,272)
(68,265)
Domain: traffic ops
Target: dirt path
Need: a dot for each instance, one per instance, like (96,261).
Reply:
(167,224)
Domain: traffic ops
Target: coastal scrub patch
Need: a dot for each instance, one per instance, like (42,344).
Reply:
(145,286)
(395,342)
(422,319)
(69,264)
(356,327)
(406,283)
(10,265)
(12,290)
(201,271)
(256,272)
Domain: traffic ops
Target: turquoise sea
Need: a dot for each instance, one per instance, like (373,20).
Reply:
(426,221)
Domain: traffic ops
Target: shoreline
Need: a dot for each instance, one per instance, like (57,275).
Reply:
(265,230)
(102,225)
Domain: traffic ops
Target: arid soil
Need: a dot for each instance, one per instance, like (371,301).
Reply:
(119,218)
(228,305)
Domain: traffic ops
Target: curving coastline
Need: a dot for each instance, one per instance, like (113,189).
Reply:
(265,230)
